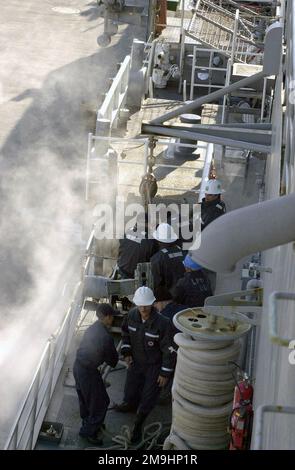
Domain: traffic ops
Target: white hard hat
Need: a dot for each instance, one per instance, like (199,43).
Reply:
(165,234)
(213,187)
(143,297)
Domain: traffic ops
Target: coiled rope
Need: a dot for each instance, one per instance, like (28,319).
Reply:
(202,393)
(152,438)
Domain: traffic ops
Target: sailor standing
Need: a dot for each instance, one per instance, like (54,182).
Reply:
(147,346)
(135,248)
(212,205)
(194,287)
(167,264)
(97,346)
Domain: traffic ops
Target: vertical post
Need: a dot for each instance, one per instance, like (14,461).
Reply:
(150,65)
(184,91)
(34,411)
(151,89)
(88,166)
(103,129)
(74,315)
(206,170)
(181,58)
(136,79)
(182,34)
(210,71)
(235,33)
(193,74)
(113,178)
(146,155)
(263,98)
(182,16)
(106,21)
(51,365)
(227,82)
(115,108)
(152,17)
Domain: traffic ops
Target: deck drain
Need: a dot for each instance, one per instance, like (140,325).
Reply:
(66,10)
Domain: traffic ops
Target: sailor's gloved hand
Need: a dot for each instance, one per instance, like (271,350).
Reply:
(128,360)
(162,381)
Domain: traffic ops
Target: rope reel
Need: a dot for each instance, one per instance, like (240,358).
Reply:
(197,323)
(203,384)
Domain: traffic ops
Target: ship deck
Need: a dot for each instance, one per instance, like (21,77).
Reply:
(240,182)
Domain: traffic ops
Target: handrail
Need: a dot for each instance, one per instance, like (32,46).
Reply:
(117,94)
(261,411)
(35,403)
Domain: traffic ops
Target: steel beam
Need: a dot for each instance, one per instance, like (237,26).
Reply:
(260,142)
(215,96)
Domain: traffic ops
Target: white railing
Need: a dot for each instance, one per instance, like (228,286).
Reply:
(115,141)
(25,430)
(92,176)
(116,96)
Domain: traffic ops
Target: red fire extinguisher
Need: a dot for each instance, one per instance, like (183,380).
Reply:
(241,418)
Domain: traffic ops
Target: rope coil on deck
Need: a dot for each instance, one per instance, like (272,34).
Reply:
(152,438)
(202,393)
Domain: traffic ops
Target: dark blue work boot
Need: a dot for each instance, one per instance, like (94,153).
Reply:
(137,430)
(125,407)
(95,441)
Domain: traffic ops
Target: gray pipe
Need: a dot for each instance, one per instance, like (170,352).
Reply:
(242,232)
(236,141)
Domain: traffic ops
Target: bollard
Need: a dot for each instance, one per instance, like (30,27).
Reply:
(187,152)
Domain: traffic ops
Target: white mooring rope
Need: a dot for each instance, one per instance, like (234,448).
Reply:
(202,393)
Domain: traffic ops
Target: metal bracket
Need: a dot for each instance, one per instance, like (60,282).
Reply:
(273,317)
(104,287)
(261,410)
(236,305)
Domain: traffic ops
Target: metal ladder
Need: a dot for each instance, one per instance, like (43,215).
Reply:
(210,69)
(219,28)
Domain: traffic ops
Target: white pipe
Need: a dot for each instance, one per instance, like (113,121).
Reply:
(251,229)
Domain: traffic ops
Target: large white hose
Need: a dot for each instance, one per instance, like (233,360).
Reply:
(226,240)
(202,393)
